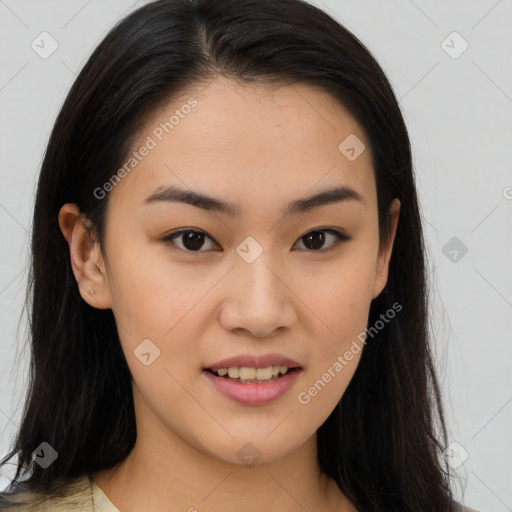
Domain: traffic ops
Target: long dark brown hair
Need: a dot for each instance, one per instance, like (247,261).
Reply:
(383,443)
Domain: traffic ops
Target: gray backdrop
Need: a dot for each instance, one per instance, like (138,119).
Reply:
(450,65)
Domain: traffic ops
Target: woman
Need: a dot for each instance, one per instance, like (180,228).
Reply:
(229,300)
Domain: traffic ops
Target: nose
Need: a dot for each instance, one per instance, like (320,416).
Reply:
(259,301)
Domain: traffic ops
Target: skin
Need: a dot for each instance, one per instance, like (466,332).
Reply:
(261,146)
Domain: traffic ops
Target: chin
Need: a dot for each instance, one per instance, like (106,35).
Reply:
(250,449)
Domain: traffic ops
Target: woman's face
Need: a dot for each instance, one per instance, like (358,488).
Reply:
(265,279)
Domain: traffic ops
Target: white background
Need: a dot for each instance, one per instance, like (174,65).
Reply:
(459,115)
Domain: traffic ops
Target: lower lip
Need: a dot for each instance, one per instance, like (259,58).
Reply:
(253,394)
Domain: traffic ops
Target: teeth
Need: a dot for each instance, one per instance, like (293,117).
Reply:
(234,373)
(245,373)
(264,373)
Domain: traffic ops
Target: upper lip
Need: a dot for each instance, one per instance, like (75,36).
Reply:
(251,361)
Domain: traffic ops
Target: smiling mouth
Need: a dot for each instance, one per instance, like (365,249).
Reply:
(248,375)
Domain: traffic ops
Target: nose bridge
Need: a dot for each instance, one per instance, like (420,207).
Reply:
(258,298)
(257,279)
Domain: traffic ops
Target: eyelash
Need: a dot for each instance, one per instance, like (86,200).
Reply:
(339,235)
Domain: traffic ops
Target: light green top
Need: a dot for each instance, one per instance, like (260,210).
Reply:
(83,495)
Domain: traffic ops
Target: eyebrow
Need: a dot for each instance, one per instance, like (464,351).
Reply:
(330,195)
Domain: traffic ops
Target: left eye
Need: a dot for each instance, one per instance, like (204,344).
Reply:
(192,240)
(317,238)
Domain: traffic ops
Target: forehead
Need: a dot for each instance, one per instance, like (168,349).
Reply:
(252,142)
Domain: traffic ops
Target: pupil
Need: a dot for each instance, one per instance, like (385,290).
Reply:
(317,239)
(193,240)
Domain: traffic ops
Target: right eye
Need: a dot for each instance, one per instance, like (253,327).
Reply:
(191,240)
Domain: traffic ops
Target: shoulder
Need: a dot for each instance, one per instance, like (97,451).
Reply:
(74,494)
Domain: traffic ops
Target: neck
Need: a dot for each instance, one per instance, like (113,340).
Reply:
(164,471)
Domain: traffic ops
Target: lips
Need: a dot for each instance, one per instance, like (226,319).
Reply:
(246,390)
(253,394)
(251,361)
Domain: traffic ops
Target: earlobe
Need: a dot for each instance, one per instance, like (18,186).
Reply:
(85,257)
(384,256)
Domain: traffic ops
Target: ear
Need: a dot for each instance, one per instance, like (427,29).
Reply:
(86,258)
(382,267)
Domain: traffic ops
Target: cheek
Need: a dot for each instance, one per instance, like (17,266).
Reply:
(150,295)
(165,304)
(335,356)
(340,302)
(340,296)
